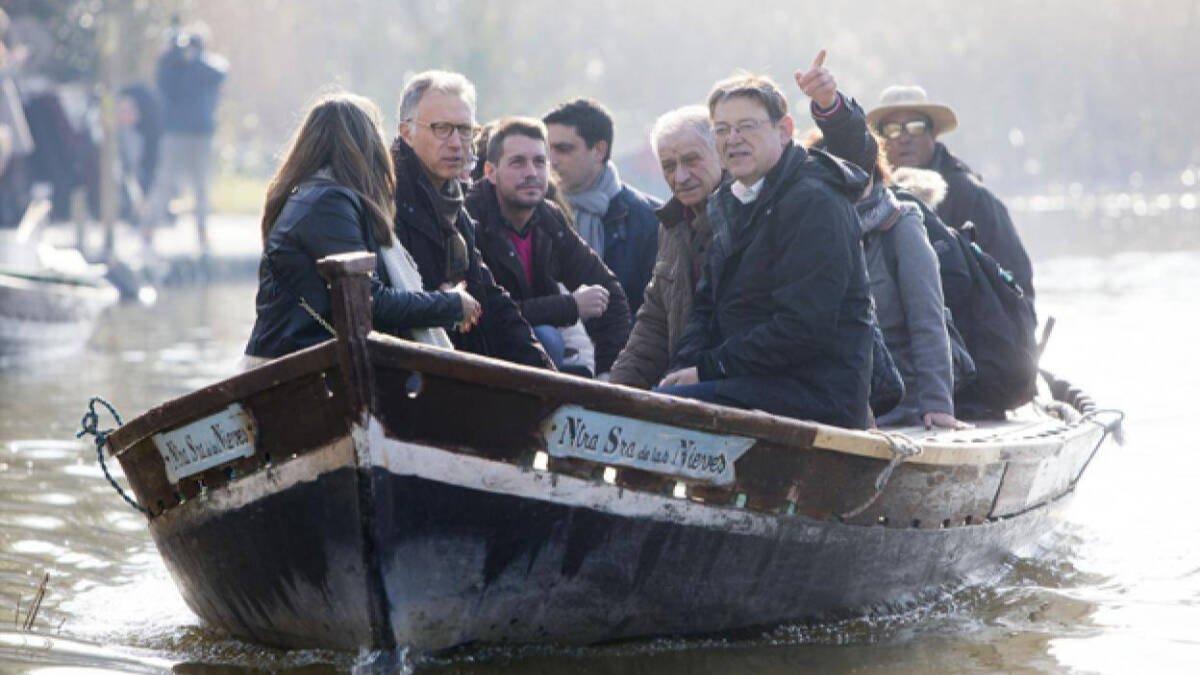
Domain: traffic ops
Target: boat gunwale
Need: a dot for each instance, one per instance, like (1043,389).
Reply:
(81,285)
(193,405)
(390,351)
(387,350)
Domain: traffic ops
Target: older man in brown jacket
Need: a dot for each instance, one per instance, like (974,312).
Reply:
(683,141)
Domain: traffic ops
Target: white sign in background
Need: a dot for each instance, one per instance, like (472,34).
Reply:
(573,431)
(207,442)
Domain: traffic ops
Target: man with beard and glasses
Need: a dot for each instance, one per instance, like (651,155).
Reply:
(781,320)
(617,221)
(437,121)
(527,243)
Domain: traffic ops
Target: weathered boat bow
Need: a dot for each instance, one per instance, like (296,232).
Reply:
(372,491)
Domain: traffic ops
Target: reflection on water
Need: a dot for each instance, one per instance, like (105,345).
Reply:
(1115,590)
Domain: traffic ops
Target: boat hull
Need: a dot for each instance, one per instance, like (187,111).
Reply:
(471,551)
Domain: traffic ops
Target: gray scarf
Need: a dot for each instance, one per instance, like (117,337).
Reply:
(591,204)
(447,203)
(880,209)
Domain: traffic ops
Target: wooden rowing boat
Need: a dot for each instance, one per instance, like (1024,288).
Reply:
(375,492)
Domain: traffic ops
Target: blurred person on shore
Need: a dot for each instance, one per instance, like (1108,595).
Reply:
(910,124)
(331,195)
(431,152)
(16,140)
(189,83)
(139,130)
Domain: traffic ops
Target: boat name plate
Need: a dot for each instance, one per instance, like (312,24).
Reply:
(573,431)
(207,442)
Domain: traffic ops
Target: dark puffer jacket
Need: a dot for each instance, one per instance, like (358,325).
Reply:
(502,332)
(323,218)
(559,256)
(783,312)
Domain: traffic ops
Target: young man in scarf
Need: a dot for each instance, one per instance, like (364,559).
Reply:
(437,122)
(617,221)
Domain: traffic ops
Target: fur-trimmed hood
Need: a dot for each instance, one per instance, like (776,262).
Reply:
(926,184)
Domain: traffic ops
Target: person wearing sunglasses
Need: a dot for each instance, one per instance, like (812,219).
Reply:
(910,125)
(437,124)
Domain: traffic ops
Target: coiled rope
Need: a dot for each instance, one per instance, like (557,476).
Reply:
(90,422)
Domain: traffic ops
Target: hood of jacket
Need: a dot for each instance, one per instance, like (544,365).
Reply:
(926,184)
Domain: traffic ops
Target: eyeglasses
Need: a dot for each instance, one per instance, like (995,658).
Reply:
(892,130)
(442,130)
(744,127)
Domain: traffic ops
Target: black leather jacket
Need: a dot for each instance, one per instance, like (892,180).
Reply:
(323,218)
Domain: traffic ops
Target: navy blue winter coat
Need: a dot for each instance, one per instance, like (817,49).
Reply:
(631,241)
(189,89)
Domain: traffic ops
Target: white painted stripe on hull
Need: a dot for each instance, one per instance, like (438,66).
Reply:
(271,480)
(403,458)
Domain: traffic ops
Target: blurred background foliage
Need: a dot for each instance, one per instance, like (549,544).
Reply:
(1095,93)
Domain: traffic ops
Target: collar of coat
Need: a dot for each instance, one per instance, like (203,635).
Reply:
(795,165)
(674,212)
(944,163)
(484,206)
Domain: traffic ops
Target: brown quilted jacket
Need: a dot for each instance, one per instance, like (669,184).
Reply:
(664,312)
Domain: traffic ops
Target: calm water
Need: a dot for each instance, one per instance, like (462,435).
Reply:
(1115,590)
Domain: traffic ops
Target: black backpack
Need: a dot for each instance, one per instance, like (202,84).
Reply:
(996,319)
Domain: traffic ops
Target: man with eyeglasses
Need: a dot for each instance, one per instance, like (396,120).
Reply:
(781,320)
(437,122)
(617,221)
(910,124)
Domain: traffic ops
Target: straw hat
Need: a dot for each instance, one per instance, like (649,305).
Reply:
(913,98)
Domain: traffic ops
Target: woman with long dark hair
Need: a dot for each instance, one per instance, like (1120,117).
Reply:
(333,194)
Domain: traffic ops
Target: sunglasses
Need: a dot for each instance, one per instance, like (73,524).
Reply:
(892,130)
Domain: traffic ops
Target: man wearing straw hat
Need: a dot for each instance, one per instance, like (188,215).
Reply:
(910,124)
